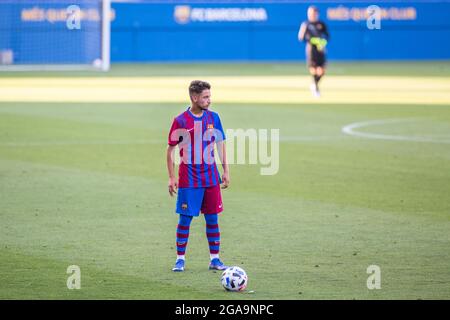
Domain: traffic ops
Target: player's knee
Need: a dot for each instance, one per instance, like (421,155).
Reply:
(185,220)
(211,218)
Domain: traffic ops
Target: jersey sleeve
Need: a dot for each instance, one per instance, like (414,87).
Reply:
(218,126)
(173,138)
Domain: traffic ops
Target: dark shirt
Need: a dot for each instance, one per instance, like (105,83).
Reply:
(315,29)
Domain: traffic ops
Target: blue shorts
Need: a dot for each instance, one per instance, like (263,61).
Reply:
(208,200)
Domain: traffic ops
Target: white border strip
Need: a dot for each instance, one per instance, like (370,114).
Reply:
(47,67)
(106,35)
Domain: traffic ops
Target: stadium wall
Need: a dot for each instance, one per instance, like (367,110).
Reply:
(267,30)
(220,30)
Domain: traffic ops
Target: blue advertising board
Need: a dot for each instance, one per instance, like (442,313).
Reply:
(267,30)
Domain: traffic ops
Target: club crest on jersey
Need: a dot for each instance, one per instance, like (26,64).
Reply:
(184,206)
(210,126)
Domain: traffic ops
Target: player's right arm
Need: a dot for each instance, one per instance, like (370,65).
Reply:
(172,141)
(302,32)
(173,184)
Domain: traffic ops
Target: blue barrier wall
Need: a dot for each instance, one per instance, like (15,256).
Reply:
(267,30)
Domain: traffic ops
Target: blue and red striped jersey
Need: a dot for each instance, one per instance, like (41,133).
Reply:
(195,137)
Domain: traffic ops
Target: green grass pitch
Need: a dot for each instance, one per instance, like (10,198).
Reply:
(83,182)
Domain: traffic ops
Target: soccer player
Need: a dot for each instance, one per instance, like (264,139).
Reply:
(315,33)
(196,131)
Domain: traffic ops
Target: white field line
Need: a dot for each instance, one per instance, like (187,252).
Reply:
(125,142)
(350,129)
(74,142)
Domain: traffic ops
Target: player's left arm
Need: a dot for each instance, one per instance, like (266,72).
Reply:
(325,31)
(221,148)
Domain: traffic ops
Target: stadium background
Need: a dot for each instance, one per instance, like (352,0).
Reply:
(164,31)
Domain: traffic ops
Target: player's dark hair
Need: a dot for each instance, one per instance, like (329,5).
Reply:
(197,87)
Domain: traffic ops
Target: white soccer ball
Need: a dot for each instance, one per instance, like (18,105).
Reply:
(234,279)
(97,63)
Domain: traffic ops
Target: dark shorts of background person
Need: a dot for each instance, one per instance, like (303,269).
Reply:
(315,58)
